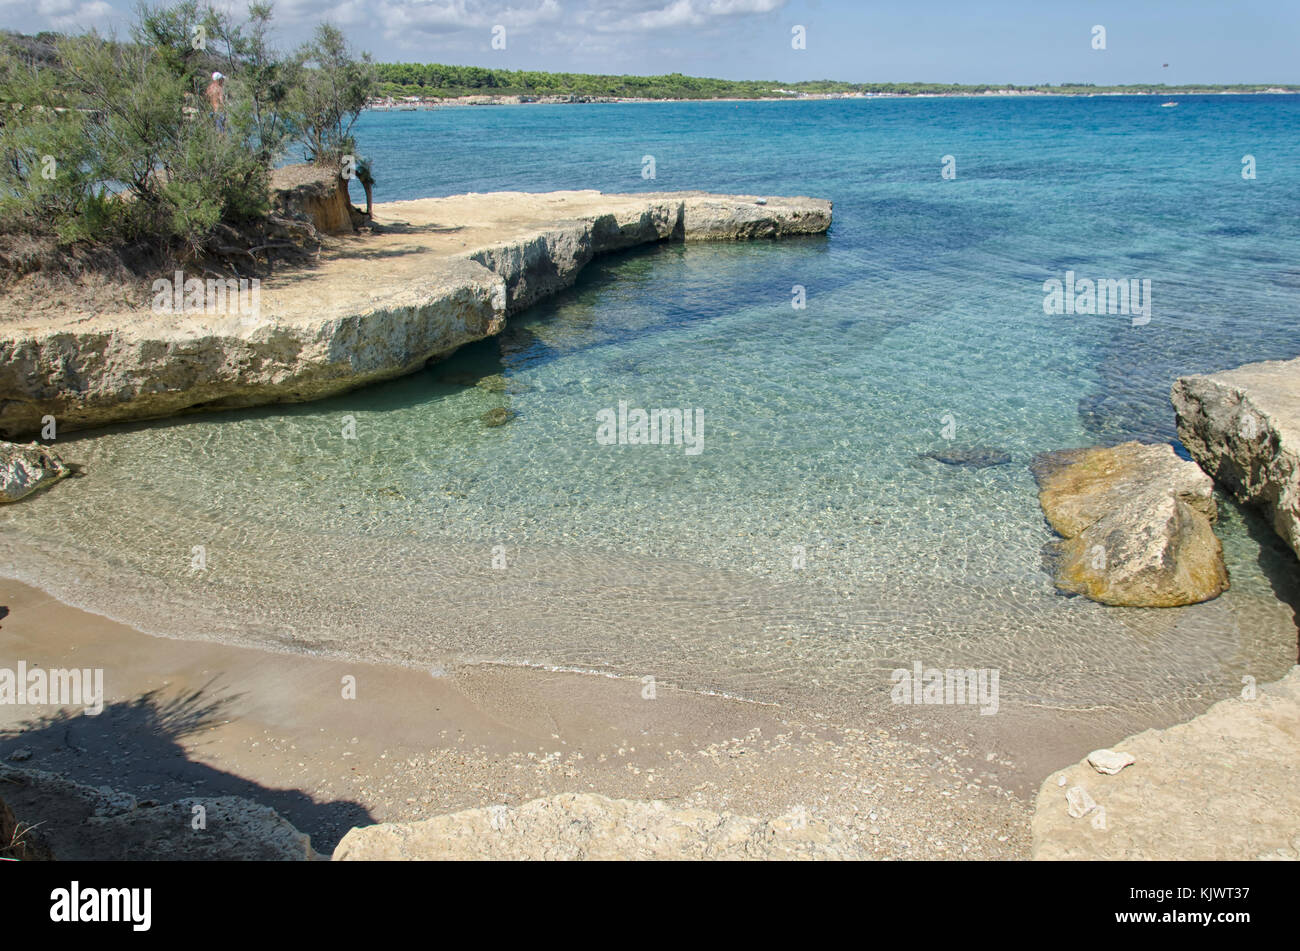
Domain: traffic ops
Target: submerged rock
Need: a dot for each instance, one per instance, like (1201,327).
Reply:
(497,416)
(1243,427)
(583,826)
(1136,522)
(458,379)
(974,457)
(24,469)
(492,383)
(496,383)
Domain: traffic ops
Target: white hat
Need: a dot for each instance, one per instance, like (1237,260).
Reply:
(217,76)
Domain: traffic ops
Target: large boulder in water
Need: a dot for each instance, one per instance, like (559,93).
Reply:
(24,469)
(1136,522)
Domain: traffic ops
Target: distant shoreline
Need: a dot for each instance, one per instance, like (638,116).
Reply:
(418,103)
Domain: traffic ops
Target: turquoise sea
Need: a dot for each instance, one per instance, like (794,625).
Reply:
(810,548)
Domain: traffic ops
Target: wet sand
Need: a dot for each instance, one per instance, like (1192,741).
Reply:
(198,718)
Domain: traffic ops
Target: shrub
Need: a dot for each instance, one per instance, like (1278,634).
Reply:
(107,141)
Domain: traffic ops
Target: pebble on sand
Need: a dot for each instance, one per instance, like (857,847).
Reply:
(1109,762)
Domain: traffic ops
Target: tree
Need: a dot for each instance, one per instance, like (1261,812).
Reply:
(108,141)
(330,89)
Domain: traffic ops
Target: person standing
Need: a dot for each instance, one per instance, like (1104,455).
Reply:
(216,95)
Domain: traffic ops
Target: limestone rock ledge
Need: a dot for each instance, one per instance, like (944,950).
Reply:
(582,826)
(1223,786)
(1243,427)
(1136,523)
(449,274)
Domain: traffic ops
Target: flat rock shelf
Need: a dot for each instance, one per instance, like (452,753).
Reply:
(436,274)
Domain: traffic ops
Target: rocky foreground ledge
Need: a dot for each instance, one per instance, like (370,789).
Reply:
(437,274)
(1224,786)
(587,827)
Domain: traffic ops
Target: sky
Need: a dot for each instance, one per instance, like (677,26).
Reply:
(961,41)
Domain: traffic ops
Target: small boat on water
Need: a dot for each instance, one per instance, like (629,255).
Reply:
(1167,105)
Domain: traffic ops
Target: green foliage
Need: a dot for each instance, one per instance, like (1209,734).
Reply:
(104,140)
(331,89)
(435,80)
(47,154)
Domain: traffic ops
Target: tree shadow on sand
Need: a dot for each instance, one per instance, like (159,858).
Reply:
(134,747)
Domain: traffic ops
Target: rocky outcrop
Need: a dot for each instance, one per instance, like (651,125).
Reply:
(24,469)
(316,194)
(138,371)
(370,312)
(1136,523)
(1223,786)
(81,823)
(1243,427)
(584,826)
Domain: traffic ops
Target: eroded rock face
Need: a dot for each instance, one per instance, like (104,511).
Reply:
(1136,523)
(373,317)
(1223,786)
(1243,427)
(578,826)
(24,469)
(313,192)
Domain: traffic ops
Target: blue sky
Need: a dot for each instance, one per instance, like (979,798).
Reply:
(979,41)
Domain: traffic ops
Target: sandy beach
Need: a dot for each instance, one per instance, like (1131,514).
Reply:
(275,728)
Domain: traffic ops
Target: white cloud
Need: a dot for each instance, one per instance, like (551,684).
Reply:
(72,15)
(440,29)
(637,15)
(399,17)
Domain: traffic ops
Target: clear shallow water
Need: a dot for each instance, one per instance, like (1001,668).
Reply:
(924,302)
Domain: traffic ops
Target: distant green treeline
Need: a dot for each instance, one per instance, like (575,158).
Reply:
(437,80)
